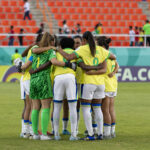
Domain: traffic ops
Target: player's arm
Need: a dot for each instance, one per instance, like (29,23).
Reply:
(25,52)
(66,55)
(115,70)
(88,68)
(39,50)
(42,67)
(111,56)
(100,71)
(26,65)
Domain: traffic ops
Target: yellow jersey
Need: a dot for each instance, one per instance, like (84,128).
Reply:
(110,83)
(26,75)
(52,74)
(141,39)
(79,75)
(85,54)
(63,70)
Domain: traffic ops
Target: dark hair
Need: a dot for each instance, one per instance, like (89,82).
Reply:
(67,43)
(16,50)
(11,27)
(90,40)
(136,28)
(21,30)
(77,36)
(104,41)
(78,24)
(96,26)
(38,38)
(64,22)
(140,28)
(56,41)
(147,21)
(130,27)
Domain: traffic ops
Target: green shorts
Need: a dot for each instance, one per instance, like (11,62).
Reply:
(41,87)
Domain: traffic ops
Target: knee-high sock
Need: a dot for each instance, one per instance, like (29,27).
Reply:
(45,116)
(98,117)
(87,118)
(35,119)
(73,117)
(56,116)
(107,129)
(113,126)
(22,126)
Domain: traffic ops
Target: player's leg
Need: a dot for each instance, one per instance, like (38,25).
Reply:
(26,84)
(26,117)
(59,90)
(94,124)
(78,105)
(52,123)
(96,104)
(87,92)
(56,117)
(65,117)
(23,97)
(107,117)
(45,116)
(71,94)
(99,94)
(35,117)
(113,117)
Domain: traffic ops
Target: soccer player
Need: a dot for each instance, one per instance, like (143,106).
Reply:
(110,92)
(40,84)
(93,87)
(79,77)
(26,86)
(41,89)
(23,97)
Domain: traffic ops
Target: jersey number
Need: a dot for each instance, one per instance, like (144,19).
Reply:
(95,61)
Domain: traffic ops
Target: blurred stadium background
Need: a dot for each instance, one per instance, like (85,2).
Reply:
(115,16)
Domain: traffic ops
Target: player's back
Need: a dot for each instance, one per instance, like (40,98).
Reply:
(63,70)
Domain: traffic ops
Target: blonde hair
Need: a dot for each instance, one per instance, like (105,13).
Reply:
(46,40)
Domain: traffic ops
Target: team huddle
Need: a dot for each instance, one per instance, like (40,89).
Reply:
(76,73)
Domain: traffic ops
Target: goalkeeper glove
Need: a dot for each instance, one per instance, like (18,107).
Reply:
(19,67)
(72,65)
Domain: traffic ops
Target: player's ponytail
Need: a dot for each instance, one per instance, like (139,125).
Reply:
(46,40)
(90,40)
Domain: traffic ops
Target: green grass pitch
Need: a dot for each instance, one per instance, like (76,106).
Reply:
(132,130)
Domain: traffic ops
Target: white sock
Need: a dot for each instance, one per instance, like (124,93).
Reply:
(99,118)
(73,117)
(107,129)
(27,128)
(30,129)
(94,124)
(56,116)
(87,119)
(78,118)
(113,126)
(65,123)
(22,126)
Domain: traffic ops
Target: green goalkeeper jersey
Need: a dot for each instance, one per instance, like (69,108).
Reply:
(40,59)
